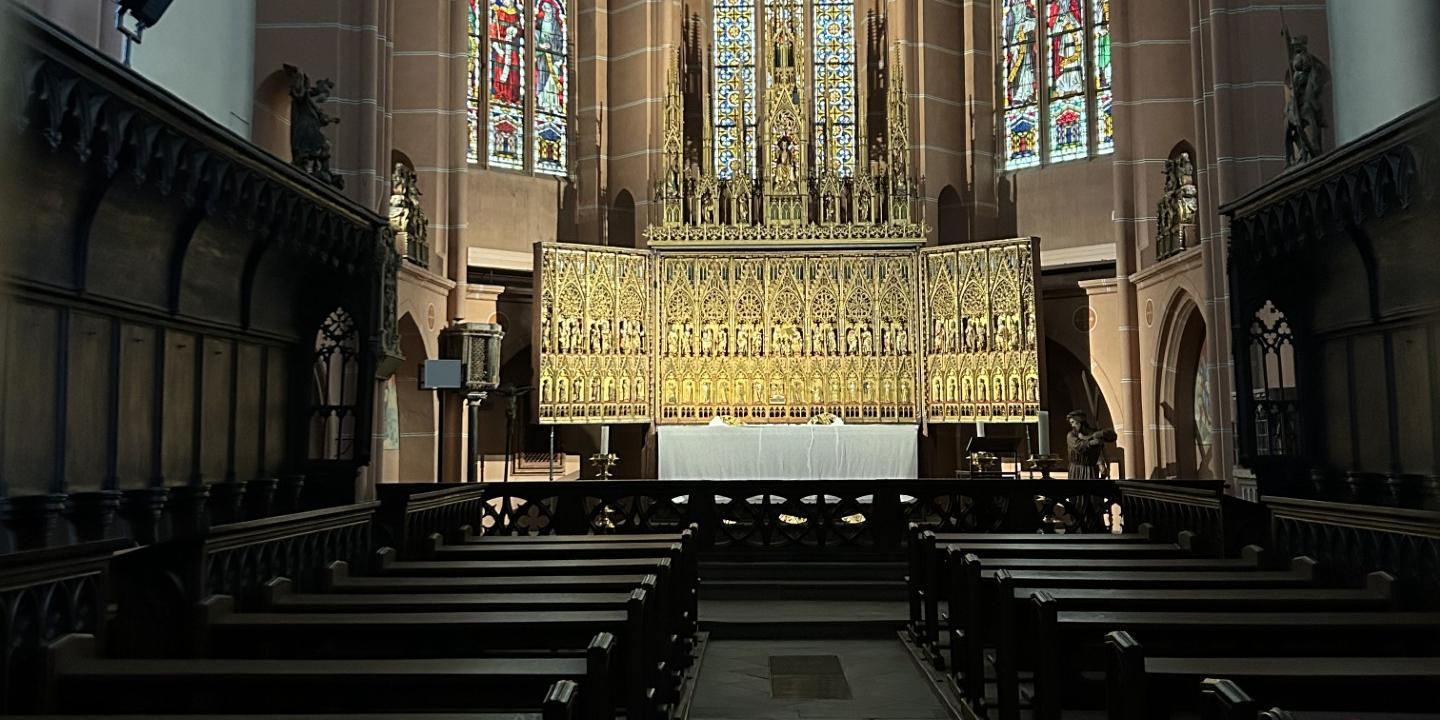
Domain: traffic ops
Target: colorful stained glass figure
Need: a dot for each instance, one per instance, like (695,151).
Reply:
(1021,82)
(834,70)
(734,108)
(1022,137)
(552,85)
(1020,75)
(1067,64)
(1104,97)
(507,85)
(1069,136)
(476,85)
(1019,22)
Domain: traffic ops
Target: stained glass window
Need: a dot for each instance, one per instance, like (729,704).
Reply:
(1049,115)
(506,122)
(1065,32)
(476,85)
(1104,97)
(834,68)
(552,39)
(1021,85)
(734,94)
(499,127)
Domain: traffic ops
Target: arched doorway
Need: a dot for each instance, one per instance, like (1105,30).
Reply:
(416,406)
(1183,431)
(622,220)
(952,228)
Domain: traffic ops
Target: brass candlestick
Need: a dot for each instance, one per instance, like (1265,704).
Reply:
(603,462)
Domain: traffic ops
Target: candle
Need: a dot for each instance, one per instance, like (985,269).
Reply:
(1044,423)
(979,429)
(604,439)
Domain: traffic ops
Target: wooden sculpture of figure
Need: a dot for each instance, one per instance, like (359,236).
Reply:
(309,148)
(1086,444)
(1305,80)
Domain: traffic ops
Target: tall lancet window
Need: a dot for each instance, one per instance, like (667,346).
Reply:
(551,40)
(1021,85)
(518,101)
(1065,31)
(1104,98)
(507,84)
(734,91)
(1064,112)
(834,68)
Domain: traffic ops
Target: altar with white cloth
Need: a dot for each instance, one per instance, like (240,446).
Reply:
(788,452)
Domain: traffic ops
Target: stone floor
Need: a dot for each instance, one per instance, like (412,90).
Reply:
(735,682)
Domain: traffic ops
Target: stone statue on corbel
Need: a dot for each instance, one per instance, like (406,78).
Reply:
(309,148)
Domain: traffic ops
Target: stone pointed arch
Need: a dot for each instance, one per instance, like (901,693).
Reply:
(1180,435)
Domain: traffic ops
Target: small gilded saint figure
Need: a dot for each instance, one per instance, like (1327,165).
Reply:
(1086,444)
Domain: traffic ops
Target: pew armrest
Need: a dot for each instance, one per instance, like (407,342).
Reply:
(1145,530)
(1253,554)
(61,657)
(1222,699)
(1303,565)
(1382,584)
(432,545)
(277,588)
(383,557)
(1124,677)
(333,574)
(560,701)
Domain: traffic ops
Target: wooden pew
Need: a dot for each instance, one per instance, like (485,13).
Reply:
(1378,595)
(1251,558)
(1150,688)
(926,595)
(279,596)
(977,596)
(1072,639)
(337,579)
(673,566)
(387,565)
(78,681)
(643,670)
(921,546)
(550,551)
(1222,699)
(468,536)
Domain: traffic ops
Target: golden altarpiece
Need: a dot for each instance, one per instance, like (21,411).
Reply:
(780,294)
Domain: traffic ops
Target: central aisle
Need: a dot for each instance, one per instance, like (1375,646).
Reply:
(812,679)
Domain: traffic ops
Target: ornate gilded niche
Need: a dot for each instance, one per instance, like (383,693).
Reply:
(982,354)
(592,341)
(782,337)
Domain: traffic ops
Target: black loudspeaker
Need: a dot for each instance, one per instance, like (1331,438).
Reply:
(146,12)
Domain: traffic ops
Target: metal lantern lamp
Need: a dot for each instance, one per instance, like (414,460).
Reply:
(477,347)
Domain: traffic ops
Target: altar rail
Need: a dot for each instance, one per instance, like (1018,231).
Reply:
(805,516)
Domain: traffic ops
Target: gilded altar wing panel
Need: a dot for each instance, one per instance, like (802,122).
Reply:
(982,358)
(783,337)
(593,334)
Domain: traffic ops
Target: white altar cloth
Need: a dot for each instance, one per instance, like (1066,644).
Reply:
(788,452)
